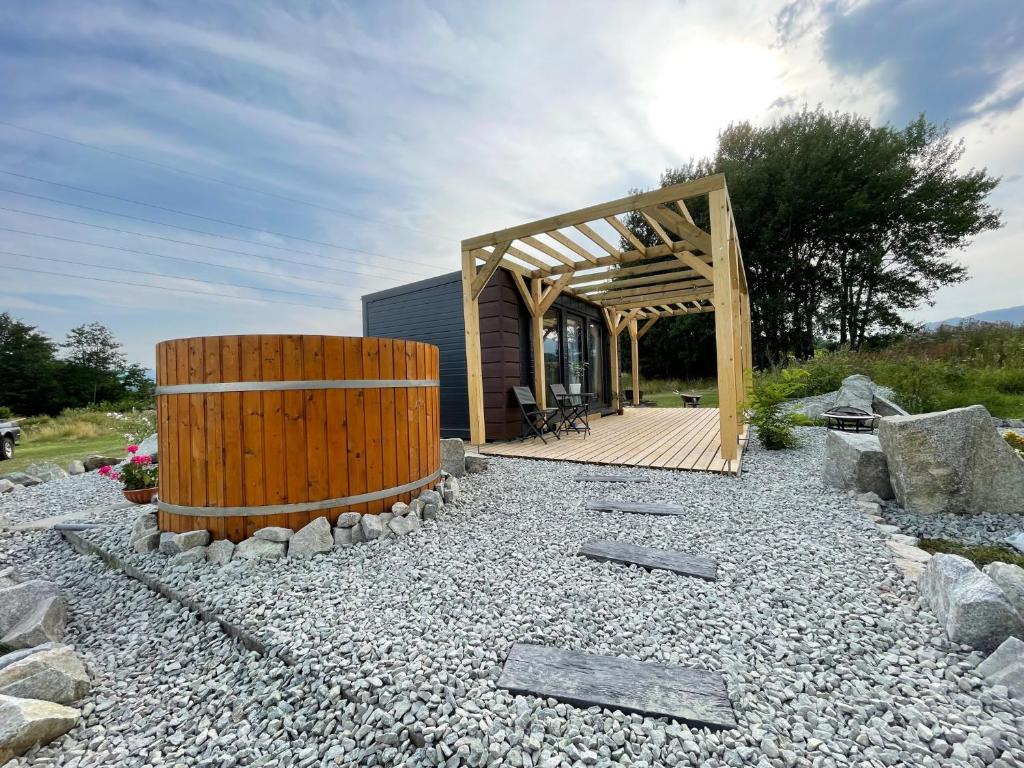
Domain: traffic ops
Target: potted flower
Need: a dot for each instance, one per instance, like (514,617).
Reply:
(577,370)
(138,477)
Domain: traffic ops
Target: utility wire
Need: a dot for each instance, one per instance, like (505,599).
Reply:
(172,226)
(218,296)
(215,180)
(200,262)
(195,245)
(205,218)
(190,279)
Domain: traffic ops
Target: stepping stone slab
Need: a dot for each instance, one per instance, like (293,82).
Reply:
(692,696)
(611,479)
(606,550)
(602,505)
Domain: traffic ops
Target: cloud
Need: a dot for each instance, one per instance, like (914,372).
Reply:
(945,59)
(418,123)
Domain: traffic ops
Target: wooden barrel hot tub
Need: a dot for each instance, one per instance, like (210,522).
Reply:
(279,430)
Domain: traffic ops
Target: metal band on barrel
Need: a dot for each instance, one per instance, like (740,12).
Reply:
(277,386)
(305,506)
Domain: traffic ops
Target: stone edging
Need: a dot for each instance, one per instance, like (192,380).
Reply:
(245,637)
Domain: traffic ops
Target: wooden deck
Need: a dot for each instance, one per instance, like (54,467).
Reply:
(668,438)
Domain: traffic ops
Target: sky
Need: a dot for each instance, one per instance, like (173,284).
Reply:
(174,169)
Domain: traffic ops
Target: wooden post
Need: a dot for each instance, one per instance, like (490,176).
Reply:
(737,329)
(724,321)
(748,352)
(537,339)
(474,365)
(635,355)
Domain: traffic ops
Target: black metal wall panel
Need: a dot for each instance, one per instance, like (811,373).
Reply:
(431,311)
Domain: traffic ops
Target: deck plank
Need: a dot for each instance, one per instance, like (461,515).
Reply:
(693,696)
(650,558)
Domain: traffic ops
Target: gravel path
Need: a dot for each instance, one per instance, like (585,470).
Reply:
(828,656)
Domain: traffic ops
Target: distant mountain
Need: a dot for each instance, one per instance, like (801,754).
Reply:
(1013,315)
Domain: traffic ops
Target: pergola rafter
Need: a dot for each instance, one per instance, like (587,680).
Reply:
(689,271)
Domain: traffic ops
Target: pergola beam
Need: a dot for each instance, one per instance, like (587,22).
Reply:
(646,301)
(627,204)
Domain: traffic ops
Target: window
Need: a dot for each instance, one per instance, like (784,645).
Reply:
(574,341)
(595,370)
(552,350)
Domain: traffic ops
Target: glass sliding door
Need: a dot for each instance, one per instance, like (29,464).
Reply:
(595,369)
(552,351)
(576,367)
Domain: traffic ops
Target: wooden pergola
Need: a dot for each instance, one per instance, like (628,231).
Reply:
(633,287)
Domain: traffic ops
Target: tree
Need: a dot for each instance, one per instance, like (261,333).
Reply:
(95,362)
(27,368)
(845,225)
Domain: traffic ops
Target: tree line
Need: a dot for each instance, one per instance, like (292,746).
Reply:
(40,376)
(843,226)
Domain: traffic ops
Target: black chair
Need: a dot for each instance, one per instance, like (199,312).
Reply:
(536,420)
(574,410)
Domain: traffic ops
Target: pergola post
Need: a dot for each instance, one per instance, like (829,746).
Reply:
(537,340)
(474,364)
(725,323)
(634,352)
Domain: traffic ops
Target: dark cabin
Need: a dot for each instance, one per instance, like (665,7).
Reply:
(575,345)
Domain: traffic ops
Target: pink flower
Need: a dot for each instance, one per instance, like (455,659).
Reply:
(132,448)
(115,475)
(105,471)
(144,459)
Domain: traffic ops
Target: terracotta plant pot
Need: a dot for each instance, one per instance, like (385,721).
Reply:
(140,495)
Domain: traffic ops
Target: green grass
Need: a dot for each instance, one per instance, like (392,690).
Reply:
(979,364)
(662,391)
(75,434)
(980,555)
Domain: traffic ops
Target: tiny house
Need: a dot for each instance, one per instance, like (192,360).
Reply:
(575,345)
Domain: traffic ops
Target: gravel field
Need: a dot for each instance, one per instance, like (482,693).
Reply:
(988,528)
(828,657)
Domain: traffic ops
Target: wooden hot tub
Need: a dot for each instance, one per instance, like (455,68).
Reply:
(280,430)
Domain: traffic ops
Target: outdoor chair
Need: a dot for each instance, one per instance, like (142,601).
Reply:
(535,419)
(846,418)
(573,408)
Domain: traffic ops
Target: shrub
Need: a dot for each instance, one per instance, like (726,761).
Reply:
(6,413)
(979,554)
(1016,442)
(775,426)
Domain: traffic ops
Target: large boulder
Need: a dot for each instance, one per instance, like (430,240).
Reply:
(31,613)
(854,461)
(220,552)
(46,471)
(75,467)
(6,486)
(1006,666)
(970,605)
(453,456)
(27,722)
(952,461)
(311,539)
(23,653)
(476,463)
(56,675)
(278,534)
(148,447)
(94,462)
(1010,579)
(857,391)
(22,478)
(259,549)
(371,527)
(176,543)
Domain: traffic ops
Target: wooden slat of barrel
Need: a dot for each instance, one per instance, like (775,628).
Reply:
(254,477)
(234,485)
(371,403)
(296,470)
(356,430)
(316,422)
(274,469)
(337,447)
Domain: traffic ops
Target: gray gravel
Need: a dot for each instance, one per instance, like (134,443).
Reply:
(828,655)
(986,528)
(89,494)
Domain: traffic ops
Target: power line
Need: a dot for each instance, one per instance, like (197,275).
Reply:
(186,260)
(206,218)
(186,242)
(171,226)
(215,180)
(164,288)
(175,277)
